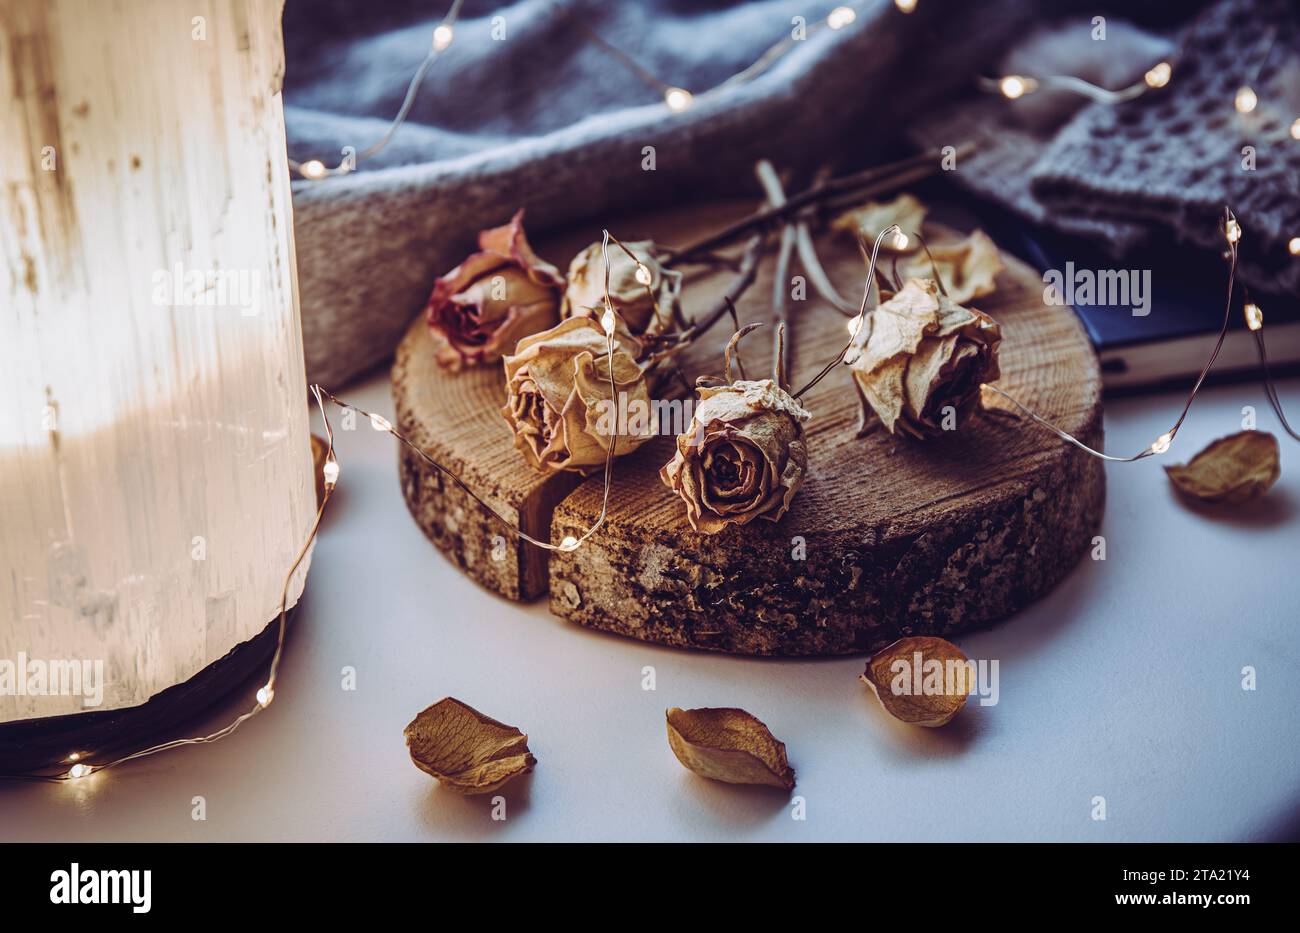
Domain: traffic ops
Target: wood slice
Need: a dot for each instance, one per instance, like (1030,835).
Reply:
(888,537)
(456,418)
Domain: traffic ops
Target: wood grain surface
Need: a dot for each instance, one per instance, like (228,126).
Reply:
(887,537)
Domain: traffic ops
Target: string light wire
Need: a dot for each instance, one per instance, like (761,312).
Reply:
(1255,323)
(1232,233)
(314,169)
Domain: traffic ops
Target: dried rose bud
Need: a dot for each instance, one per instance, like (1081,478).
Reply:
(743,458)
(925,354)
(558,398)
(486,304)
(641,291)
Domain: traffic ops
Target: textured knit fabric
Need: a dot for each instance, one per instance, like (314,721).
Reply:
(546,120)
(1165,164)
(524,110)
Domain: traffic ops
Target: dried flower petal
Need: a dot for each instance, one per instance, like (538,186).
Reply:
(728,745)
(868,220)
(969,268)
(742,457)
(558,399)
(921,680)
(469,753)
(645,306)
(1232,470)
(924,361)
(502,293)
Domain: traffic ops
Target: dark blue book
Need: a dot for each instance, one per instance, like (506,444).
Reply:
(1155,315)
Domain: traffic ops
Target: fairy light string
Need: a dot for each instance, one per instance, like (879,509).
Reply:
(679,99)
(1255,324)
(330,469)
(1232,234)
(443,33)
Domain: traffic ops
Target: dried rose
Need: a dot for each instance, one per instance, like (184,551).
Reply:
(921,680)
(558,400)
(728,745)
(466,751)
(969,267)
(743,457)
(501,293)
(925,354)
(1232,470)
(867,221)
(642,292)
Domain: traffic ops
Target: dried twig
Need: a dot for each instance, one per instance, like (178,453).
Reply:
(781,306)
(808,258)
(851,188)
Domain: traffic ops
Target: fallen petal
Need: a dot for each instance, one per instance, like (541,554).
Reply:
(921,680)
(469,753)
(1232,470)
(729,745)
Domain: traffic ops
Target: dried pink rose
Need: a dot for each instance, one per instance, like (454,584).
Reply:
(496,296)
(924,354)
(743,458)
(642,292)
(558,399)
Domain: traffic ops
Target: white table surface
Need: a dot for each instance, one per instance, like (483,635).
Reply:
(1124,682)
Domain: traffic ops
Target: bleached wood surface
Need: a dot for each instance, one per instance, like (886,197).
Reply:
(155,473)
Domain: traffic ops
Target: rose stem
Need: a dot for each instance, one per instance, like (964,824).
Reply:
(732,347)
(735,325)
(781,305)
(859,185)
(934,268)
(744,278)
(821,283)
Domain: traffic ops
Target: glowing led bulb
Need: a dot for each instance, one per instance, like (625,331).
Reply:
(75,756)
(901,240)
(1294,246)
(264,696)
(1254,316)
(1159,75)
(643,274)
(1295,129)
(677,99)
(907,6)
(840,17)
(331,472)
(313,169)
(442,37)
(608,321)
(1232,230)
(380,423)
(570,543)
(1013,86)
(1161,443)
(1246,100)
(78,771)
